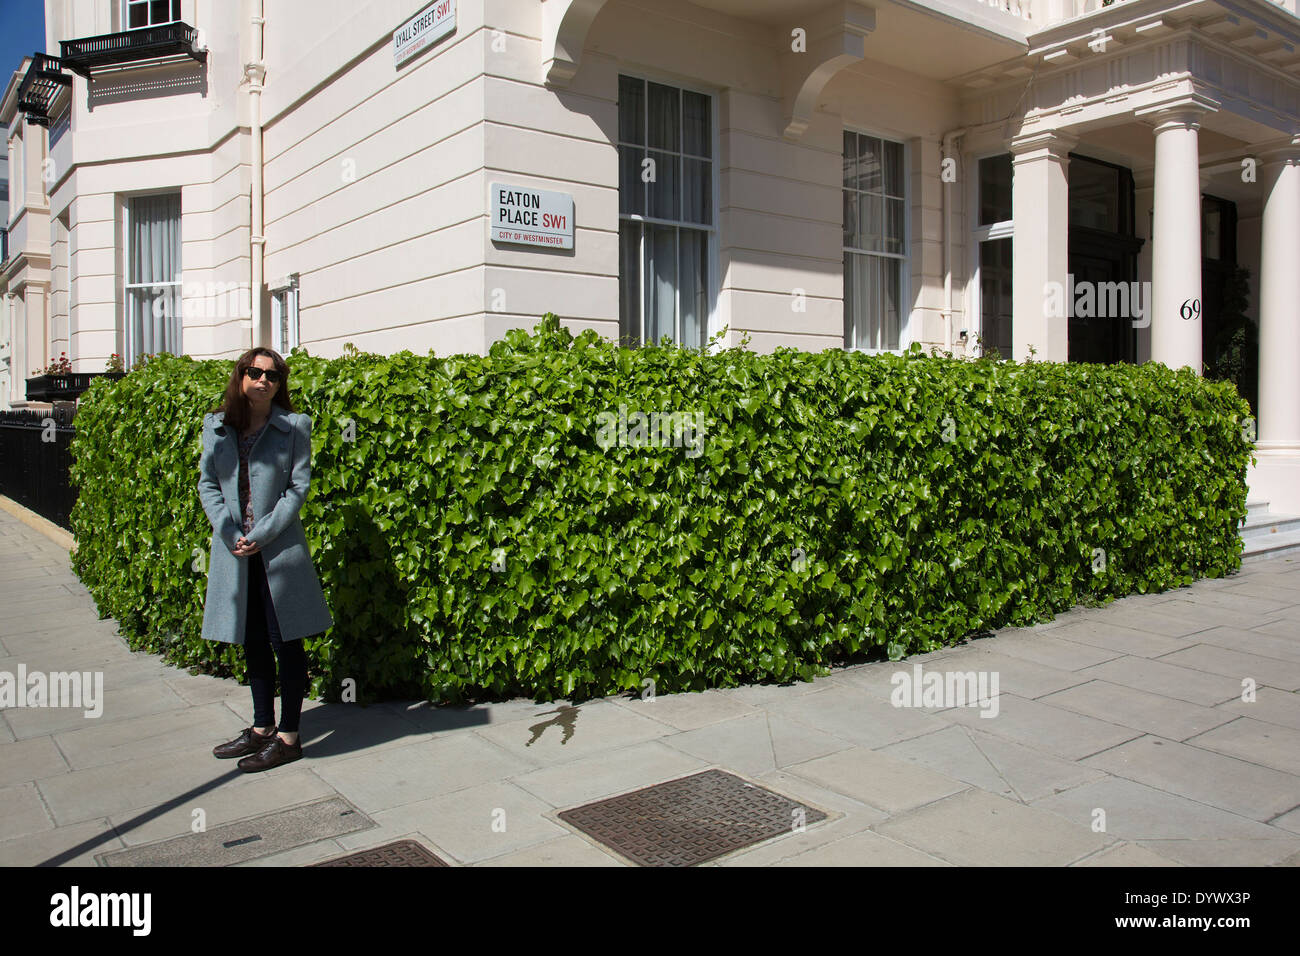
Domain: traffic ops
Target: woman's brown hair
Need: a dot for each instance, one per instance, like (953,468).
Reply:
(235,404)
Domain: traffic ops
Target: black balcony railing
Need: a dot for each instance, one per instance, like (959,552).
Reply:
(130,46)
(40,87)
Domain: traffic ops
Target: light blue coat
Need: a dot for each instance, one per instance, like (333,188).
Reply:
(279,473)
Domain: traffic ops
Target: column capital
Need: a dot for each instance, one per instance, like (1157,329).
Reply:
(1283,152)
(1044,143)
(1183,112)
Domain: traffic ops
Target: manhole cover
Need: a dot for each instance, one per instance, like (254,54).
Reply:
(401,853)
(690,820)
(248,839)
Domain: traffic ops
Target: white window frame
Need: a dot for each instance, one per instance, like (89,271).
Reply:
(979,235)
(128,355)
(284,316)
(905,275)
(714,280)
(126,15)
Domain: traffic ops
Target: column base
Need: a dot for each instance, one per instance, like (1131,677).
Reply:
(1275,477)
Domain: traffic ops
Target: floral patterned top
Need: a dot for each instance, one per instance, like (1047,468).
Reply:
(246,443)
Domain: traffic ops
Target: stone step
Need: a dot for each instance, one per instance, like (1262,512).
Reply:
(1271,546)
(1265,526)
(1255,508)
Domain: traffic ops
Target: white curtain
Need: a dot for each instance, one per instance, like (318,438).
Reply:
(153,276)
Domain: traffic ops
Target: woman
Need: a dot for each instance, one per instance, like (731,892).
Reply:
(263,591)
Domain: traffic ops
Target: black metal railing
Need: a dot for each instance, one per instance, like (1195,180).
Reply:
(63,386)
(36,461)
(85,54)
(40,87)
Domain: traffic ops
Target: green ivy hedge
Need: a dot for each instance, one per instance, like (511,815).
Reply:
(477,534)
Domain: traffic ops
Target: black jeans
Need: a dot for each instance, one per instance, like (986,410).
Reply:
(262,645)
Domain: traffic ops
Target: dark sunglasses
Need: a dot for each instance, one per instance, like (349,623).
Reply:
(255,373)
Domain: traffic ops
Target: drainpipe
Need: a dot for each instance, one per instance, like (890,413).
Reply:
(948,144)
(255,73)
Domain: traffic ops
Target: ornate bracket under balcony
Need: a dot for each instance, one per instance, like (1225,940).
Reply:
(133,46)
(40,88)
(814,52)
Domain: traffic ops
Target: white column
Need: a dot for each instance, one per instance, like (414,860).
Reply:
(1279,296)
(1040,208)
(1176,246)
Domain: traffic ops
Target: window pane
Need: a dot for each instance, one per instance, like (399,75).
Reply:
(161,11)
(869,172)
(693,269)
(631,191)
(995,297)
(850,218)
(870,233)
(995,189)
(697,191)
(665,117)
(895,226)
(890,272)
(137,15)
(176,9)
(697,131)
(1094,194)
(631,110)
(850,160)
(663,191)
(661,281)
(892,159)
(629,283)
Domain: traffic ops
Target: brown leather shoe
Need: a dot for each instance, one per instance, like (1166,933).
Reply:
(272,754)
(249,742)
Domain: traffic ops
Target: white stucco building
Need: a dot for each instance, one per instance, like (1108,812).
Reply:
(199,176)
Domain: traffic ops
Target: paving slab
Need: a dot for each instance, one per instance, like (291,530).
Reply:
(258,793)
(1269,745)
(857,717)
(144,697)
(755,744)
(992,763)
(1053,650)
(864,848)
(1166,680)
(22,812)
(569,733)
(1203,611)
(1208,851)
(25,761)
(688,711)
(570,850)
(1228,783)
(574,783)
(477,823)
(94,836)
(1130,707)
(1270,705)
(97,743)
(1126,855)
(390,777)
(1239,665)
(877,779)
(1137,812)
(1044,727)
(1111,627)
(306,855)
(1284,629)
(974,828)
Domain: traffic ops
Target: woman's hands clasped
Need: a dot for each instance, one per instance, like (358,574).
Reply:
(244,547)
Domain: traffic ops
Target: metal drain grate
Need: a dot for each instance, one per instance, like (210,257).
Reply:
(690,820)
(401,853)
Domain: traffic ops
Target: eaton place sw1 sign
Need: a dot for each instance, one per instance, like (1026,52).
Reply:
(534,217)
(432,23)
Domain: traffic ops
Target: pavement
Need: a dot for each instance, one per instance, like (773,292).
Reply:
(1126,735)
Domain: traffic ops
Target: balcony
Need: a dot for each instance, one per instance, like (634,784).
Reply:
(40,88)
(131,46)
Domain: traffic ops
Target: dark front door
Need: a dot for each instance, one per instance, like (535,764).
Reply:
(1103,250)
